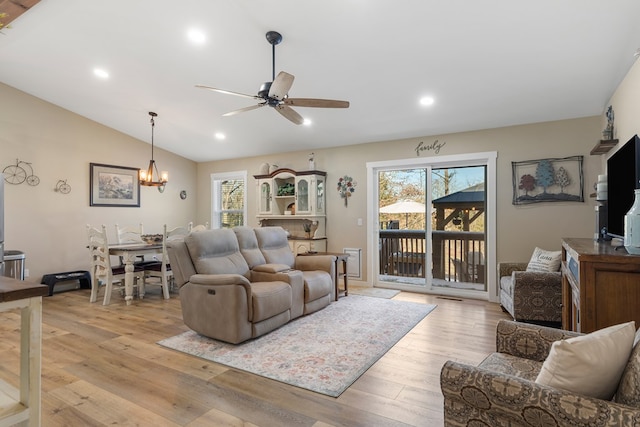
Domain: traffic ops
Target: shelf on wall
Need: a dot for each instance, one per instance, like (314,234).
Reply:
(604,146)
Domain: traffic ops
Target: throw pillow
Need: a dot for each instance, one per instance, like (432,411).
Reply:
(546,261)
(590,364)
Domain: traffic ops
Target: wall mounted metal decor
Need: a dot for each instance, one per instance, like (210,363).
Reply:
(346,187)
(548,180)
(62,187)
(17,174)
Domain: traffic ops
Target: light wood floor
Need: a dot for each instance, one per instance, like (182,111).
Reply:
(102,366)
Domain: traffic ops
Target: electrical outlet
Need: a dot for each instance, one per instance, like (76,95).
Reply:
(360,221)
(26,272)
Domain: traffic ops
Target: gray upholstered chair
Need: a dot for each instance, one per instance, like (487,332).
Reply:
(530,296)
(502,390)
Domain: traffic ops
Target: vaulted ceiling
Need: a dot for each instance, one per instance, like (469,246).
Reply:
(486,64)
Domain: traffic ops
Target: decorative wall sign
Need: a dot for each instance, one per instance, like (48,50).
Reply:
(114,186)
(435,146)
(548,180)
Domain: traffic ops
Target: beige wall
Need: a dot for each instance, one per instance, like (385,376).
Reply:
(50,227)
(626,107)
(520,228)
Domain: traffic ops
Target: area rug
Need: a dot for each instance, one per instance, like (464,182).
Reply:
(373,292)
(325,351)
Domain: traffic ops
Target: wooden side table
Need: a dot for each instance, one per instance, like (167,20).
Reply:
(339,257)
(23,404)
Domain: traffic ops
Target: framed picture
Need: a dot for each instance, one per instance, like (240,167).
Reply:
(114,186)
(548,180)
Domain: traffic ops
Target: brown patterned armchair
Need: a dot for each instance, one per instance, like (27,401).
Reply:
(502,391)
(530,296)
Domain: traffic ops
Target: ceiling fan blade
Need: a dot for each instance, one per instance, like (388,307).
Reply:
(242,110)
(313,102)
(281,85)
(228,92)
(289,113)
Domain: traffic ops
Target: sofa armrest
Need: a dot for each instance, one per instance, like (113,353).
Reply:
(527,340)
(506,268)
(219,279)
(550,278)
(473,393)
(271,268)
(315,262)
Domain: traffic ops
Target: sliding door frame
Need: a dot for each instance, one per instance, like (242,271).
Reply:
(487,159)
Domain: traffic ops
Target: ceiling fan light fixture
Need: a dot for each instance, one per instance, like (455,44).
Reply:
(147,176)
(275,93)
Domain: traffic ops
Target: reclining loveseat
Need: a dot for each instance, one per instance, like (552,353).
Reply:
(237,284)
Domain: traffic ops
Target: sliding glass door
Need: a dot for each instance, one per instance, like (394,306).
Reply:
(431,225)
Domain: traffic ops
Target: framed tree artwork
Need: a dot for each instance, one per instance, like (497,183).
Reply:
(548,180)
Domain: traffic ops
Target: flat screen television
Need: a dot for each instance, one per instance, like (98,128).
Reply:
(623,177)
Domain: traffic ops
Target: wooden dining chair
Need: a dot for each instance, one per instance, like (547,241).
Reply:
(101,269)
(200,227)
(130,234)
(162,270)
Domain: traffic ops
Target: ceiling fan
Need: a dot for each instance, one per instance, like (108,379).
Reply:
(276,92)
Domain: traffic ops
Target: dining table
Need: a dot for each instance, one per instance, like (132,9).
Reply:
(128,253)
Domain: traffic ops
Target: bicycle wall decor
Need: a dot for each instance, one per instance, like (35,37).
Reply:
(62,187)
(16,174)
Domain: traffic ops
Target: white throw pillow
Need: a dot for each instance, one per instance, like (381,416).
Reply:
(590,364)
(542,260)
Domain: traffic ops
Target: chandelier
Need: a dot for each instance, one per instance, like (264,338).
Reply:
(147,176)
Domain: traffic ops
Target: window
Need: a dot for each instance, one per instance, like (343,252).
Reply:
(229,199)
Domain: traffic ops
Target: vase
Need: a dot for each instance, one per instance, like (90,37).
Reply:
(632,226)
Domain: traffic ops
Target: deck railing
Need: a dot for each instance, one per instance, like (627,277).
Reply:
(457,255)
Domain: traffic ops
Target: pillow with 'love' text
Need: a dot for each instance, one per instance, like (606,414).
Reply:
(546,261)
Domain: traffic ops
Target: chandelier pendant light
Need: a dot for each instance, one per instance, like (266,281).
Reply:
(147,176)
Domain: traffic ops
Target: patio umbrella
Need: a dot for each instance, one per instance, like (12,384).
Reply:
(404,207)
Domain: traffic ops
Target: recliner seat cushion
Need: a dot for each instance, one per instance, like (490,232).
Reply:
(270,299)
(316,285)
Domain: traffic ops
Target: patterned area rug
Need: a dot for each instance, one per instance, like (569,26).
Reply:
(373,292)
(325,351)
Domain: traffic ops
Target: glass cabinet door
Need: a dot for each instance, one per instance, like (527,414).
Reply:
(265,197)
(320,195)
(302,195)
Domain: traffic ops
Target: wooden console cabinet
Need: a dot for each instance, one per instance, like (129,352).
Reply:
(600,285)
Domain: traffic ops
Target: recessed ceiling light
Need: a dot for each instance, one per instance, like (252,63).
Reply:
(220,136)
(196,36)
(307,122)
(427,100)
(99,72)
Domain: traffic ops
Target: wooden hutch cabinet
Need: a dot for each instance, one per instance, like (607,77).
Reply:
(600,285)
(295,200)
